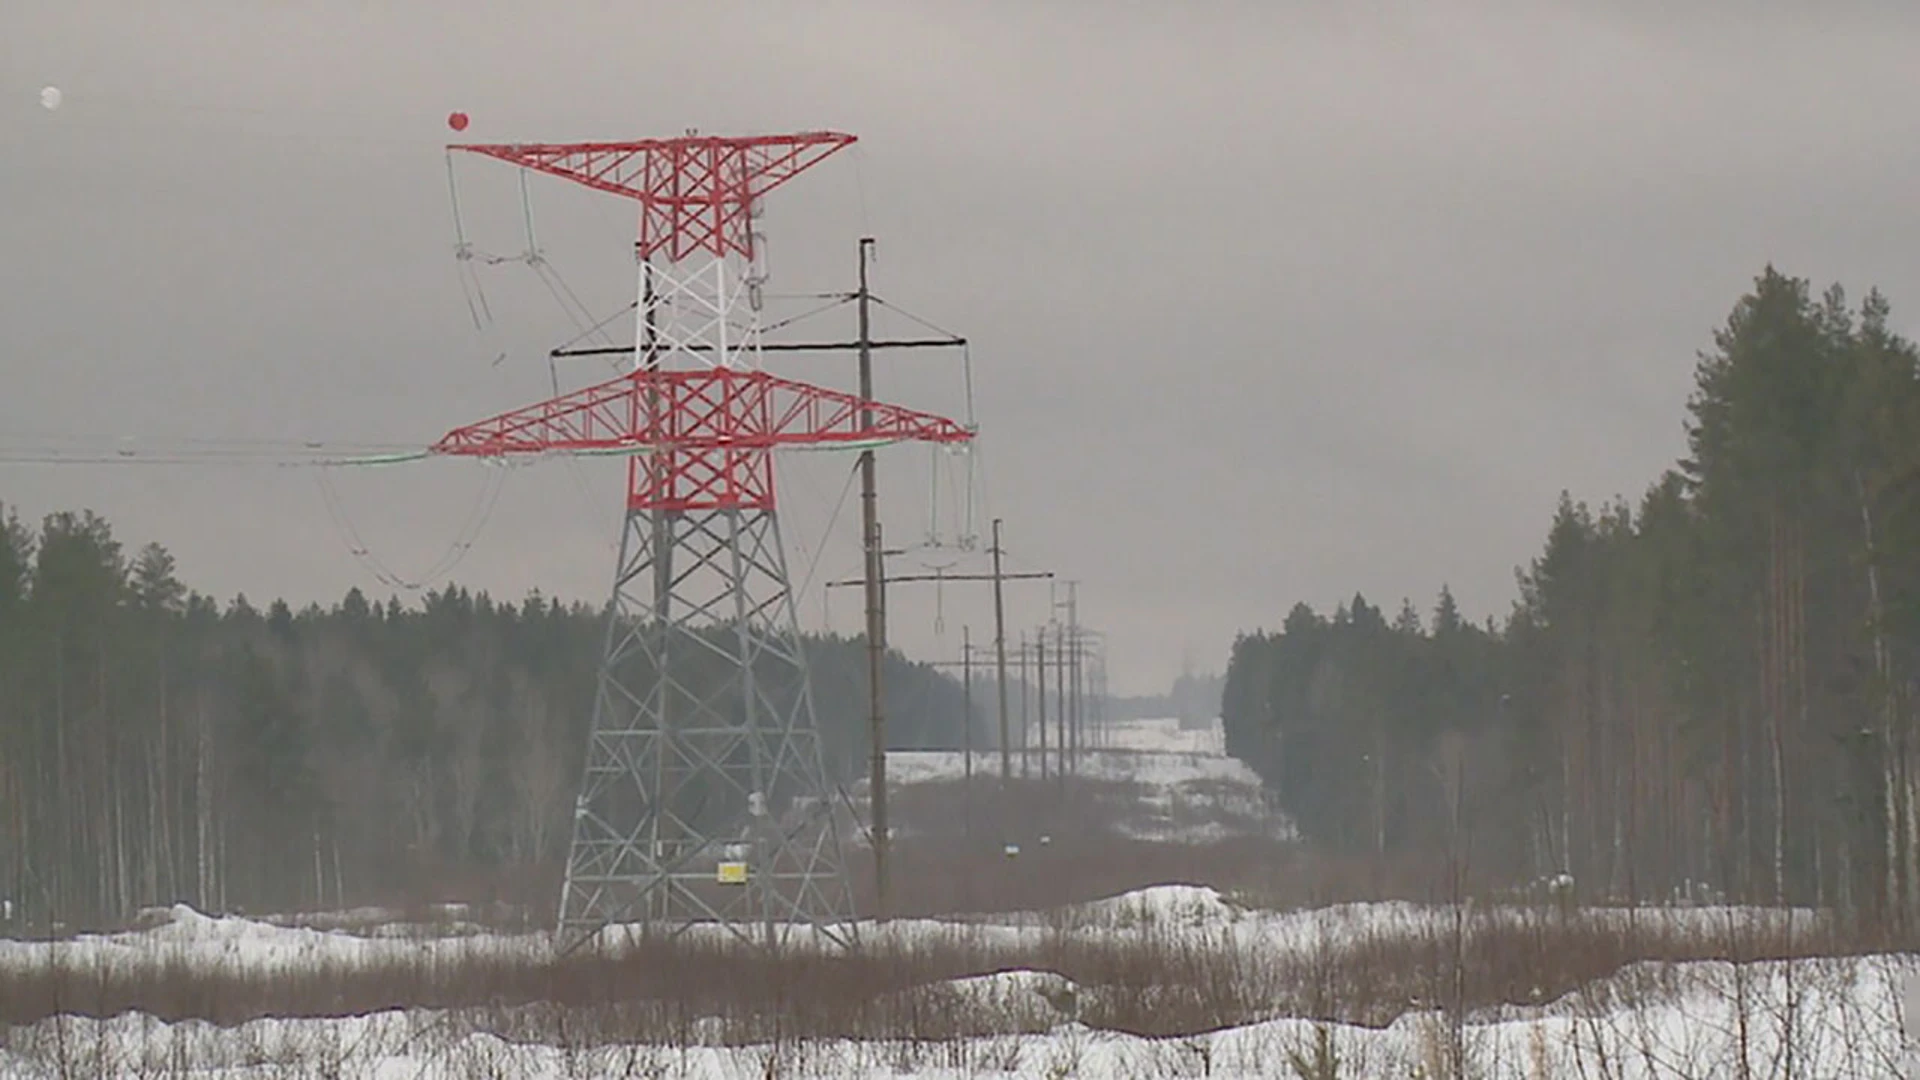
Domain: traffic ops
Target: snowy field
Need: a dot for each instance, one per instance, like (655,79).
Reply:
(1843,1016)
(1158,781)
(1168,981)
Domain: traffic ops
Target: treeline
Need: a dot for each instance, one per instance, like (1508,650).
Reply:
(1715,685)
(159,747)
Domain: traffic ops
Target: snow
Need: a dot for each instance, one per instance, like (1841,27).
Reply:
(1170,784)
(240,945)
(1841,1017)
(1667,1020)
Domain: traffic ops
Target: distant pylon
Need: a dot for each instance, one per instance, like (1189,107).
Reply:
(705,795)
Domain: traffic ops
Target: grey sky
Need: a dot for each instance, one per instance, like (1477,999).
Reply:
(1271,301)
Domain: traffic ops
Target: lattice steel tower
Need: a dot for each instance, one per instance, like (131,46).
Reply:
(704,796)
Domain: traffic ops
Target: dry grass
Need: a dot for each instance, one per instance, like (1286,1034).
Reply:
(1153,979)
(949,855)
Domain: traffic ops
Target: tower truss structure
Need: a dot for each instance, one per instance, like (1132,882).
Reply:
(704,795)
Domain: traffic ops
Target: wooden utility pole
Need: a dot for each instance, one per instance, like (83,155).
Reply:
(966,737)
(965,664)
(1060,677)
(1070,637)
(876,597)
(1026,729)
(1000,654)
(874,579)
(1078,726)
(1040,656)
(998,577)
(1093,687)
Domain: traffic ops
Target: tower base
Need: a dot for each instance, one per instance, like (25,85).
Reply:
(705,798)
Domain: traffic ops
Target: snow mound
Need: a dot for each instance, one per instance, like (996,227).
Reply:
(1164,905)
(185,922)
(1041,999)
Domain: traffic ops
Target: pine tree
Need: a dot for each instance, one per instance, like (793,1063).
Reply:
(1716,684)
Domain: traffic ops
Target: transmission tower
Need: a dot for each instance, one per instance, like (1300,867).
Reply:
(704,798)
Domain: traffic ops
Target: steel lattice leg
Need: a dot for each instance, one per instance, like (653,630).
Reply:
(704,750)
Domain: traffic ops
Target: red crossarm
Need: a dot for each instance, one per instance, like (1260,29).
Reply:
(696,192)
(703,438)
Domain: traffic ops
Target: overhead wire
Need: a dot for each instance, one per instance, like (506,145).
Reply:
(582,320)
(578,313)
(463,253)
(821,310)
(964,520)
(839,506)
(455,553)
(96,456)
(599,327)
(800,541)
(72,449)
(924,324)
(564,295)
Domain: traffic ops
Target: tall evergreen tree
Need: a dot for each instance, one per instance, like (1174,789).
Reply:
(1719,684)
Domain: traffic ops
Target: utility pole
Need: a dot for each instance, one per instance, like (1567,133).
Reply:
(876,598)
(1000,651)
(1073,679)
(1060,678)
(966,738)
(1071,633)
(1041,663)
(875,579)
(965,664)
(998,577)
(1094,703)
(1026,730)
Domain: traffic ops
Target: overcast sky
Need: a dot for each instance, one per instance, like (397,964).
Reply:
(1269,301)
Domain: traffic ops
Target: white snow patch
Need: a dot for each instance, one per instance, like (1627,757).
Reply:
(1163,905)
(233,943)
(1184,787)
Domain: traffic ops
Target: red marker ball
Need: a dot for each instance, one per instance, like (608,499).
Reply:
(458,121)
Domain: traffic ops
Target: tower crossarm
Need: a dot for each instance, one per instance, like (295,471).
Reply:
(696,192)
(715,409)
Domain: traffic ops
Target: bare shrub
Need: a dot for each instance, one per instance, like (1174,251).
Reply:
(962,999)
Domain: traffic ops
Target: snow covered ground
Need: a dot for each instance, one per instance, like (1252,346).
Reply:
(1842,1017)
(1157,780)
(1836,1038)
(1022,1015)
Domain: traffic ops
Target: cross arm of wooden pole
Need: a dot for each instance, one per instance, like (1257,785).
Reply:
(943,577)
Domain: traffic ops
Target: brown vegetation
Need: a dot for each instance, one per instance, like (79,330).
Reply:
(1146,976)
